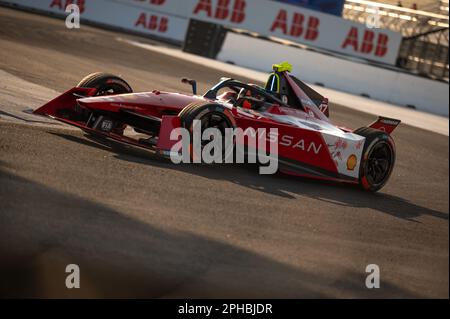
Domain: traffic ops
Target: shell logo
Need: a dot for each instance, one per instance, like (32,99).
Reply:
(351,162)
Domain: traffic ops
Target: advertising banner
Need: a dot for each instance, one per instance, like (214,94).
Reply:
(169,19)
(289,22)
(117,14)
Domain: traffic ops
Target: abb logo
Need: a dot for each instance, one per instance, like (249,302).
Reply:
(297,27)
(225,9)
(154,2)
(62,4)
(152,22)
(367,45)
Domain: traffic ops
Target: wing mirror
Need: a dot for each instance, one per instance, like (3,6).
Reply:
(193,83)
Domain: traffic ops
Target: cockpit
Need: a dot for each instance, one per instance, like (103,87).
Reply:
(247,96)
(292,93)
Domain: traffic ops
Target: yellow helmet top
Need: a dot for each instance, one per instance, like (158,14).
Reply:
(282,67)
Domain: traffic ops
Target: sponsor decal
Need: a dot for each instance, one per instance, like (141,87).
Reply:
(282,20)
(106,125)
(214,146)
(346,152)
(152,22)
(351,162)
(390,122)
(366,45)
(300,144)
(296,26)
(234,11)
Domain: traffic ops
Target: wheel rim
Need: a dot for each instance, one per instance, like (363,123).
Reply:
(214,120)
(379,163)
(218,121)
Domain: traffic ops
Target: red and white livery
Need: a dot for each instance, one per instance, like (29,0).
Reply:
(309,145)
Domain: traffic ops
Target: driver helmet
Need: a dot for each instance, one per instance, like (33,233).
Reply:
(277,83)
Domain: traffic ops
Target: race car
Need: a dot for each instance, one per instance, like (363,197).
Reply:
(309,145)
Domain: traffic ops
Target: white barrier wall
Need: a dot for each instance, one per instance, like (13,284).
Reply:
(169,19)
(294,23)
(116,14)
(341,74)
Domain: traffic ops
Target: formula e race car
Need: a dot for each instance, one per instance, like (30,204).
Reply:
(309,145)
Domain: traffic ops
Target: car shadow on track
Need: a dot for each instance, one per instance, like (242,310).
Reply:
(279,184)
(122,257)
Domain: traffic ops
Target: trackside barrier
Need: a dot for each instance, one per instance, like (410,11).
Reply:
(115,14)
(169,19)
(204,38)
(349,76)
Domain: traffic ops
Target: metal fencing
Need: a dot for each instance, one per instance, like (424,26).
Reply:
(424,48)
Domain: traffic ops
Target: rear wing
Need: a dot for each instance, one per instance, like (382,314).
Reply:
(385,124)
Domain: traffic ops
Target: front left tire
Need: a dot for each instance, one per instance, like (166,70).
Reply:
(106,84)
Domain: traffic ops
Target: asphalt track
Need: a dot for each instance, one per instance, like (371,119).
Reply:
(139,226)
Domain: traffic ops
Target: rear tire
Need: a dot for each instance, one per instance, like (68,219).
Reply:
(378,158)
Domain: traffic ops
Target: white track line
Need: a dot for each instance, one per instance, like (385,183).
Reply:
(426,121)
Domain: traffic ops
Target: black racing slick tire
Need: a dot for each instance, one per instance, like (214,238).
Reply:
(106,84)
(210,115)
(378,158)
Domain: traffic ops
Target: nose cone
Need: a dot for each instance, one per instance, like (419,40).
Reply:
(138,101)
(109,103)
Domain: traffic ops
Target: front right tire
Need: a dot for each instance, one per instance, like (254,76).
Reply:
(209,115)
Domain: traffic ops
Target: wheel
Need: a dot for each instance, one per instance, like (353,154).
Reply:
(378,158)
(210,115)
(106,84)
